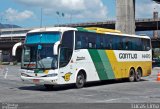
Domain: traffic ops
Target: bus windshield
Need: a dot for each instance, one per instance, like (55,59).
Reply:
(38,51)
(42,37)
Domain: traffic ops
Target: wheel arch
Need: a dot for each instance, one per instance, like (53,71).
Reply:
(132,68)
(81,70)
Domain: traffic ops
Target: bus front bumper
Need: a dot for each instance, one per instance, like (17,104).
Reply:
(40,80)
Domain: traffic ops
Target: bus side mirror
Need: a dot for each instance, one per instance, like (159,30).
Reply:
(55,48)
(15,48)
(148,48)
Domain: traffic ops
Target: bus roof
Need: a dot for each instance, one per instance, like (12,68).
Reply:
(87,29)
(109,31)
(52,29)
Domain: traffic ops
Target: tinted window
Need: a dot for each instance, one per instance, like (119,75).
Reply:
(100,41)
(86,40)
(81,40)
(145,44)
(44,37)
(66,48)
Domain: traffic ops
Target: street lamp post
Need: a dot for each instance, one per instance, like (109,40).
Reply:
(59,15)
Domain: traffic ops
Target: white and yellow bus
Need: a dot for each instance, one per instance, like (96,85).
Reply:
(64,55)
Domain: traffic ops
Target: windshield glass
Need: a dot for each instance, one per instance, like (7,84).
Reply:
(38,51)
(42,37)
(29,57)
(45,57)
(39,56)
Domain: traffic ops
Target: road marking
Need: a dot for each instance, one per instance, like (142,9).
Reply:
(88,95)
(115,99)
(4,72)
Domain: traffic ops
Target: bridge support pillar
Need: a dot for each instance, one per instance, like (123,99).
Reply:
(125,13)
(155,17)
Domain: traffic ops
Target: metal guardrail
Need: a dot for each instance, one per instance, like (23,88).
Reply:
(147,20)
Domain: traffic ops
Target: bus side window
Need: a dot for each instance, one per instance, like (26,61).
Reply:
(90,45)
(79,45)
(115,42)
(79,40)
(99,41)
(138,44)
(105,41)
(91,41)
(134,45)
(110,43)
(120,47)
(148,45)
(145,44)
(127,44)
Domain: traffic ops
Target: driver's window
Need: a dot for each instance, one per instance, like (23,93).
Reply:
(66,48)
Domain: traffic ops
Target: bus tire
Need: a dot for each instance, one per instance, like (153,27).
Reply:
(80,80)
(138,75)
(131,75)
(48,87)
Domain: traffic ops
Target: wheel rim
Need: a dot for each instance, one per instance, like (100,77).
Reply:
(131,75)
(80,80)
(138,76)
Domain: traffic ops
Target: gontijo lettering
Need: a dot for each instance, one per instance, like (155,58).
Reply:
(127,56)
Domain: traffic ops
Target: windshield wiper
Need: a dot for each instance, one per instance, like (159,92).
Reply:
(39,60)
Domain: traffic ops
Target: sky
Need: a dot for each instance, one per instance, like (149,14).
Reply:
(27,13)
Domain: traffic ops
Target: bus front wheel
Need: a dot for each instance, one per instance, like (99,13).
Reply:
(80,80)
(131,75)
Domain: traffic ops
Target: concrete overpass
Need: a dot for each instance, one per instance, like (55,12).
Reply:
(141,24)
(125,16)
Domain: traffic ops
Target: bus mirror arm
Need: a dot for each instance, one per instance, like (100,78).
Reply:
(55,48)
(15,48)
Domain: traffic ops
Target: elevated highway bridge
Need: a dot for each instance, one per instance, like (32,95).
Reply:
(141,24)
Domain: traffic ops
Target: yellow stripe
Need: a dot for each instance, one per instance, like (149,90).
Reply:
(103,30)
(121,69)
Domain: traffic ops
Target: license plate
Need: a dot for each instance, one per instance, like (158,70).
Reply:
(36,81)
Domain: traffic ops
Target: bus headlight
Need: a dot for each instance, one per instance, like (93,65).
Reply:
(23,74)
(52,75)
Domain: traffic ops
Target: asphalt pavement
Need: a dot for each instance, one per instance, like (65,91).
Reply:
(13,90)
